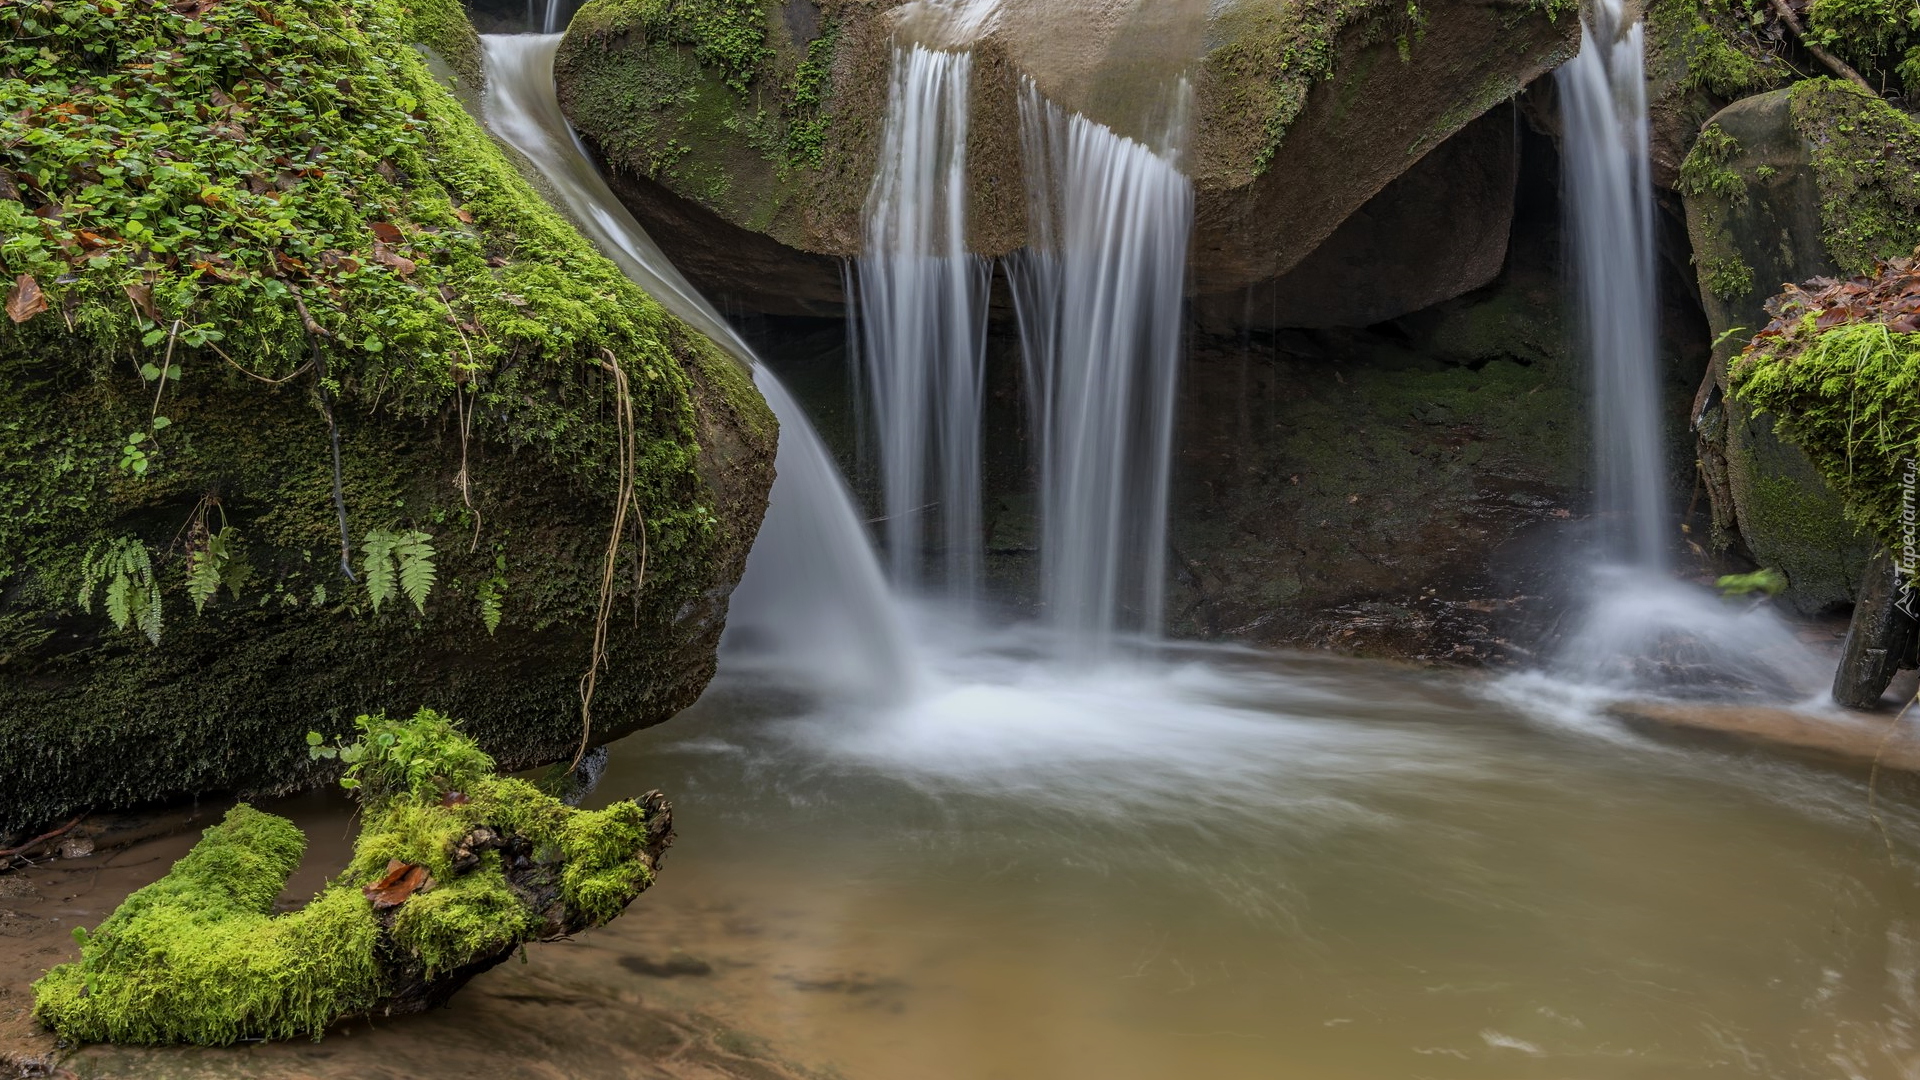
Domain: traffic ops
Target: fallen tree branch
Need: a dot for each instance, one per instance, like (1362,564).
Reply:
(16,852)
(1835,64)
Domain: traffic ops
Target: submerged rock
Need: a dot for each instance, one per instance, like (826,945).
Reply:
(312,407)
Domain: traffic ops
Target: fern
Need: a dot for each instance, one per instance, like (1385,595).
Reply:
(214,562)
(489,594)
(414,552)
(132,594)
(376,566)
(395,563)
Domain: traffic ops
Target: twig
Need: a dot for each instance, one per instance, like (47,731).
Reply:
(629,458)
(314,333)
(1835,64)
(222,353)
(15,852)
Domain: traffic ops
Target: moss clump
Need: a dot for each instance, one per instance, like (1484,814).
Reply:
(1850,397)
(1866,158)
(441,25)
(198,956)
(1727,277)
(1715,42)
(1707,170)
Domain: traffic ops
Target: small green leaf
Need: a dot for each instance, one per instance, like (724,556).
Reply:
(160,423)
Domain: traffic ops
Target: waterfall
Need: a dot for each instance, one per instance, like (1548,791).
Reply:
(1641,629)
(812,601)
(1610,210)
(1098,293)
(922,312)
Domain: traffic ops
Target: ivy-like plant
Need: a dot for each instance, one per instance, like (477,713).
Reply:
(132,592)
(393,563)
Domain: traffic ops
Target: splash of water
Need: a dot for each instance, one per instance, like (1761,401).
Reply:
(922,314)
(812,602)
(1640,630)
(1098,294)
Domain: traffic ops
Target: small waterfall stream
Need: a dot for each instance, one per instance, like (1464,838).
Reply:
(1603,93)
(813,601)
(922,313)
(1099,295)
(1642,630)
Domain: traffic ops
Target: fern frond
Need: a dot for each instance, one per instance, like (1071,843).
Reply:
(376,566)
(93,567)
(203,578)
(119,588)
(148,614)
(490,607)
(415,555)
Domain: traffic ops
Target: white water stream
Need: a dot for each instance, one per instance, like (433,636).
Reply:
(813,602)
(922,314)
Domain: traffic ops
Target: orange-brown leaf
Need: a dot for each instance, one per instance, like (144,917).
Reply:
(385,231)
(401,881)
(25,300)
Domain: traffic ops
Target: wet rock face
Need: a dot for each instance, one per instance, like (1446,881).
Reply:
(1754,218)
(1300,118)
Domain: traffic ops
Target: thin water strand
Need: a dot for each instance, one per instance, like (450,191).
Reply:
(1099,297)
(922,314)
(812,602)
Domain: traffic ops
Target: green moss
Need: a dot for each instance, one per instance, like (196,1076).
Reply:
(1849,397)
(1274,53)
(1866,158)
(1727,277)
(1706,170)
(242,165)
(1881,38)
(1715,42)
(441,25)
(199,957)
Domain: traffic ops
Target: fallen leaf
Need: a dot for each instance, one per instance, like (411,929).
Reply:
(25,300)
(386,257)
(402,880)
(142,297)
(463,214)
(385,231)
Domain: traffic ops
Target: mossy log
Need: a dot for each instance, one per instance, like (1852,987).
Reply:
(454,869)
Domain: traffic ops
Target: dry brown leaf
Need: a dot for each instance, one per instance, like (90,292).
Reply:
(401,881)
(25,300)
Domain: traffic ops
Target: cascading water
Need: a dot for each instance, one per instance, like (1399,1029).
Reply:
(1641,630)
(922,314)
(1610,199)
(812,602)
(1098,293)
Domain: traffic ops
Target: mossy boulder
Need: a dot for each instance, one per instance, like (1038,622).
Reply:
(454,868)
(1758,214)
(276,303)
(1302,113)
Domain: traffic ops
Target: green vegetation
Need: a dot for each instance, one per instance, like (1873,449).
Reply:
(1880,38)
(199,956)
(255,258)
(1765,581)
(1866,158)
(1706,169)
(1715,41)
(1849,396)
(1728,277)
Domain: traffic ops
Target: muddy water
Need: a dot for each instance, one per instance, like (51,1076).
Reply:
(1213,866)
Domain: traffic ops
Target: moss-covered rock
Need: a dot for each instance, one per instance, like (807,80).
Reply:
(454,868)
(1302,113)
(236,236)
(1755,217)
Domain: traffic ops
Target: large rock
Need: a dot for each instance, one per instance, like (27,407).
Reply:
(424,320)
(1754,216)
(1302,114)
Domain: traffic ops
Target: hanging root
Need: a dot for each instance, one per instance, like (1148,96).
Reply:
(623,501)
